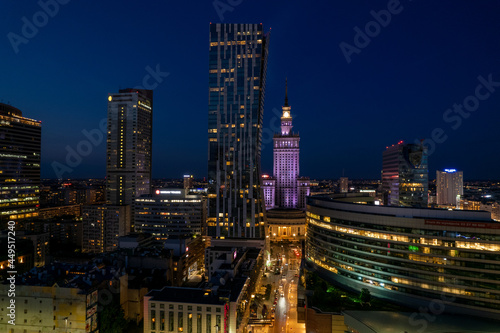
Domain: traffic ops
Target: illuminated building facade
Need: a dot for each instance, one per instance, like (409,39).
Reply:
(344,184)
(103,225)
(207,310)
(291,190)
(170,213)
(405,255)
(449,186)
(188,182)
(129,146)
(405,175)
(20,140)
(237,76)
(269,190)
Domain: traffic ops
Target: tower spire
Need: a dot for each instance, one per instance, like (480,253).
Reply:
(286,92)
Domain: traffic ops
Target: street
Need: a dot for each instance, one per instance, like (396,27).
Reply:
(282,274)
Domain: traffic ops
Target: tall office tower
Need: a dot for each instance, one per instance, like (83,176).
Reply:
(20,145)
(449,186)
(188,182)
(237,76)
(129,149)
(344,184)
(405,175)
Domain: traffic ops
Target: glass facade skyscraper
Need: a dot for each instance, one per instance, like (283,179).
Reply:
(237,76)
(20,145)
(405,175)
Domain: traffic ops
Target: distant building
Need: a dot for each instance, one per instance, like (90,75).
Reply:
(103,225)
(449,187)
(20,146)
(269,190)
(405,175)
(129,146)
(291,190)
(237,76)
(344,184)
(170,213)
(188,182)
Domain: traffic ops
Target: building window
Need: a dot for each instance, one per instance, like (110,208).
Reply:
(153,319)
(190,323)
(217,321)
(209,323)
(180,322)
(162,320)
(198,323)
(171,321)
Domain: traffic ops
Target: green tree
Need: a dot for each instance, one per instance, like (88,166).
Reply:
(365,296)
(112,319)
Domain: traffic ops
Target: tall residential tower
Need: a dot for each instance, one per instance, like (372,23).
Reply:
(129,150)
(237,76)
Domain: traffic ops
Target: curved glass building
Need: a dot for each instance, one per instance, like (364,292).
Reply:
(439,260)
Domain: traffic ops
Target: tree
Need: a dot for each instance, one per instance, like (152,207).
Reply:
(365,296)
(112,319)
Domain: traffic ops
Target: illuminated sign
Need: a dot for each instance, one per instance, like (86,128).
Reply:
(450,170)
(168,192)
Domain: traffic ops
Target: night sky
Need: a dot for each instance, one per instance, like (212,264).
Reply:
(398,85)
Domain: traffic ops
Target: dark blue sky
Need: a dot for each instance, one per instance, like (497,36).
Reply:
(397,86)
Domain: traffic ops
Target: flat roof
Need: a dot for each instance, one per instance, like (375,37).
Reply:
(336,203)
(406,322)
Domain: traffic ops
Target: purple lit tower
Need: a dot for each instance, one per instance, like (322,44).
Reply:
(291,190)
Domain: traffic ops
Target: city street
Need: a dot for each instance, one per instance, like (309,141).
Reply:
(282,275)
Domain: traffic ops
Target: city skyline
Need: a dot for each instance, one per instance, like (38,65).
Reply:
(355,93)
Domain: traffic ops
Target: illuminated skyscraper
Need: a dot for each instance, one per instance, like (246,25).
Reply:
(129,149)
(405,175)
(20,145)
(237,76)
(449,186)
(128,171)
(286,164)
(344,184)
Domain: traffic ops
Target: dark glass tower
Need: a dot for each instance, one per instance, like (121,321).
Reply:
(405,175)
(237,76)
(20,145)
